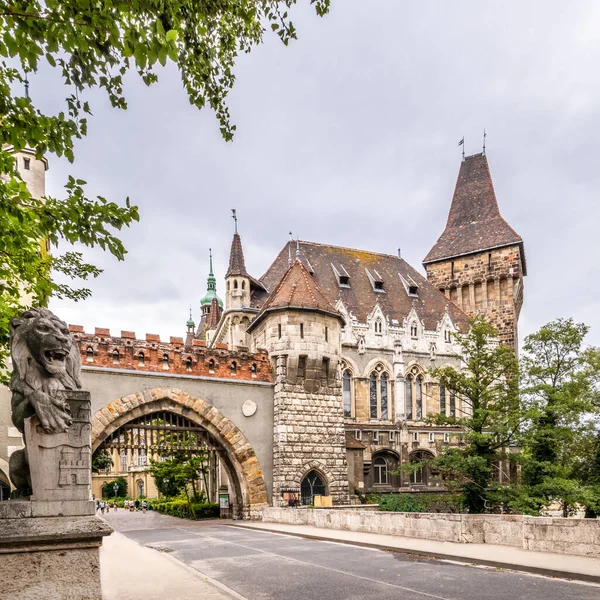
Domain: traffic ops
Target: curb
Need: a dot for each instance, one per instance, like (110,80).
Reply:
(461,559)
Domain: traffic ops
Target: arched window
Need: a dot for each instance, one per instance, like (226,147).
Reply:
(211,366)
(243,284)
(115,357)
(141,359)
(347,391)
(165,361)
(379,394)
(380,471)
(312,485)
(140,488)
(235,284)
(188,363)
(234,368)
(452,404)
(421,475)
(89,354)
(253,369)
(442,400)
(413,329)
(378,326)
(413,394)
(228,286)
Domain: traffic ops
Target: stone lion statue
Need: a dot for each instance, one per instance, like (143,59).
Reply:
(45,362)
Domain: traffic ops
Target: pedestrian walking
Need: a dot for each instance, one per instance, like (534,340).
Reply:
(144,506)
(125,504)
(102,506)
(137,504)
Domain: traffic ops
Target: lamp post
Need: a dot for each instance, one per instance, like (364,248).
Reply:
(116,488)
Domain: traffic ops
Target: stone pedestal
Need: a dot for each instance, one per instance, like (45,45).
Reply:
(49,542)
(54,558)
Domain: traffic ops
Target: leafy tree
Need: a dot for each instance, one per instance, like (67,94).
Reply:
(559,377)
(94,44)
(101,461)
(490,416)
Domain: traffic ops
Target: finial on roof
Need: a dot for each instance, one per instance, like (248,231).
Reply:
(297,250)
(462,143)
(210,259)
(290,251)
(484,136)
(234,216)
(190,322)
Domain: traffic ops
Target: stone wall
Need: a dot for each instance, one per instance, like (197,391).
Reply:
(488,283)
(580,537)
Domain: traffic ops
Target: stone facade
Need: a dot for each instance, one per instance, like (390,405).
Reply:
(488,283)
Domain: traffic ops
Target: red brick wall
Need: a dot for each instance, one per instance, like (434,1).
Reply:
(98,350)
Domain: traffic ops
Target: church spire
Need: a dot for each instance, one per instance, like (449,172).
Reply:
(211,286)
(237,264)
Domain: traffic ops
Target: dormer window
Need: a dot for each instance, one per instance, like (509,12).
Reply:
(410,285)
(413,330)
(447,336)
(376,280)
(342,275)
(378,326)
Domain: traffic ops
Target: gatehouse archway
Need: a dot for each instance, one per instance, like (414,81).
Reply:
(248,494)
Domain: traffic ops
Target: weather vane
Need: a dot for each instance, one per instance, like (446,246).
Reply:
(462,143)
(484,136)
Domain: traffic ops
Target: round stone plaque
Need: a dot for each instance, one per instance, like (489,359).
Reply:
(248,408)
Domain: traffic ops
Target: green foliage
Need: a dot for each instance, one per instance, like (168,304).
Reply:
(188,510)
(561,454)
(108,490)
(418,503)
(94,45)
(490,417)
(101,461)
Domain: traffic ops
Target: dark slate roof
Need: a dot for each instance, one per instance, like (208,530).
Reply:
(237,264)
(474,221)
(360,297)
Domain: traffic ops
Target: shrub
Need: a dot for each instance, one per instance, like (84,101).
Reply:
(419,503)
(183,510)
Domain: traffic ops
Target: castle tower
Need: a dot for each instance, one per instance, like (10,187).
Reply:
(302,332)
(479,260)
(33,171)
(211,311)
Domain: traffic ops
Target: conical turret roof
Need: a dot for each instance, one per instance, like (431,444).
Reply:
(237,264)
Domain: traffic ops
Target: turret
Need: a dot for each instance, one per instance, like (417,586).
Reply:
(211,305)
(237,279)
(479,260)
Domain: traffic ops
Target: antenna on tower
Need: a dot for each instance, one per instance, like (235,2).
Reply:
(484,136)
(234,217)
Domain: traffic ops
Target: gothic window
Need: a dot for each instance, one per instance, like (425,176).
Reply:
(115,357)
(347,391)
(312,485)
(243,284)
(408,396)
(421,475)
(379,394)
(188,363)
(27,163)
(413,330)
(380,471)
(211,366)
(141,359)
(234,368)
(301,367)
(373,396)
(165,361)
(383,381)
(452,404)
(378,326)
(235,284)
(89,354)
(442,400)
(123,457)
(447,336)
(419,397)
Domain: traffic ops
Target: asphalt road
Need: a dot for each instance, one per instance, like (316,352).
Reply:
(264,566)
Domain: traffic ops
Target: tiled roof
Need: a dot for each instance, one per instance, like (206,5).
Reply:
(474,221)
(353,444)
(237,264)
(362,268)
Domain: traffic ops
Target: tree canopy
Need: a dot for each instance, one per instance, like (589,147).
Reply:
(93,45)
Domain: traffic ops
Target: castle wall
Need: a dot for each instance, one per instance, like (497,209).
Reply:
(486,283)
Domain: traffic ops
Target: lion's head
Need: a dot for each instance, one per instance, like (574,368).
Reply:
(41,341)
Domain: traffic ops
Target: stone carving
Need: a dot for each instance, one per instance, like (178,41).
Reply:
(361,343)
(46,366)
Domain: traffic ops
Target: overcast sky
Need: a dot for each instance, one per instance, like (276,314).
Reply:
(349,137)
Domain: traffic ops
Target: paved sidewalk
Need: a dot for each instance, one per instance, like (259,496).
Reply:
(556,565)
(132,572)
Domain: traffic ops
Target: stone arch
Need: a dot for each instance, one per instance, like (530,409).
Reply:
(378,361)
(314,465)
(240,460)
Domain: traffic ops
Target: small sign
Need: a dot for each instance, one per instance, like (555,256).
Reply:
(224,501)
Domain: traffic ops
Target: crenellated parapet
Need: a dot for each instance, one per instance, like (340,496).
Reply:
(101,349)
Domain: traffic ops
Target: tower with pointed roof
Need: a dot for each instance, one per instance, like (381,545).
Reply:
(210,305)
(479,260)
(301,330)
